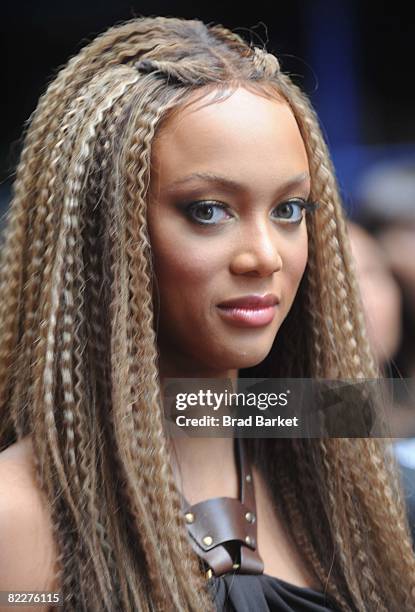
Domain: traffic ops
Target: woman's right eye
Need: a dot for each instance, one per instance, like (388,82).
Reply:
(207,212)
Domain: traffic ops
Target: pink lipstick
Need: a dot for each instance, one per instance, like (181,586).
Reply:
(249,310)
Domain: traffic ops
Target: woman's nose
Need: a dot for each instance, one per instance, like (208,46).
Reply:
(257,253)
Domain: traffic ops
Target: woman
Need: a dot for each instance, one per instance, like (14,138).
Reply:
(103,207)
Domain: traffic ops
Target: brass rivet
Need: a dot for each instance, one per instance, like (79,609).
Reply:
(250,517)
(207,540)
(190,517)
(209,574)
(248,478)
(235,566)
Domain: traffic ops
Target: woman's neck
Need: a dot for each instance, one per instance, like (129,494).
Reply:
(203,467)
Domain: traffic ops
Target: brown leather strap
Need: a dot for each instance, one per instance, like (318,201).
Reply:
(222,527)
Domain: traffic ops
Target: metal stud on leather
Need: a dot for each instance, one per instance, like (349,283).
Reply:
(219,525)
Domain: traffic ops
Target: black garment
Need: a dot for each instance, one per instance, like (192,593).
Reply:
(234,592)
(246,591)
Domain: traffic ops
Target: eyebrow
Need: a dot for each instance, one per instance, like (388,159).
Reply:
(230,184)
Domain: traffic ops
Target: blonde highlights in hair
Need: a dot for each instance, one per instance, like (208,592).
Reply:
(78,354)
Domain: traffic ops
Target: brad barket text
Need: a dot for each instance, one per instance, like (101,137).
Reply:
(227,421)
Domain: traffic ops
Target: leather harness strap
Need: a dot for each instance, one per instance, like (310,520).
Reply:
(217,523)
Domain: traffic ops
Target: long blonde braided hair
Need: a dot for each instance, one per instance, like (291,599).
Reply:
(78,355)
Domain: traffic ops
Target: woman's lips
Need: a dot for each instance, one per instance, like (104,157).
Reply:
(249,311)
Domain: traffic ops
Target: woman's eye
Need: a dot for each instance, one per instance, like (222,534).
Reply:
(207,213)
(290,211)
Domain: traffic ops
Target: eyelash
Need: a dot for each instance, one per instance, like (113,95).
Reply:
(307,206)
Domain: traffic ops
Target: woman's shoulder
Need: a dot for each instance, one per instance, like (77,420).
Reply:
(27,549)
(17,478)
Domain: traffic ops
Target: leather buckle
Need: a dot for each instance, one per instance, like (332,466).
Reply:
(209,572)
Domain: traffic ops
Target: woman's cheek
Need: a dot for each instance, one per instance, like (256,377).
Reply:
(296,259)
(187,284)
(192,269)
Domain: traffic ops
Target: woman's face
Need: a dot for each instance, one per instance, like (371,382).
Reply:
(221,229)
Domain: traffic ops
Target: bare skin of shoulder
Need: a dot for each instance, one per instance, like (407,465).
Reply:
(27,548)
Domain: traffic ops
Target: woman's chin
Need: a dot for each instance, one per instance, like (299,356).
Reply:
(243,360)
(250,363)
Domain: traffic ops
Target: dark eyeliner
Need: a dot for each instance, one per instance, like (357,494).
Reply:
(188,208)
(311,206)
(308,206)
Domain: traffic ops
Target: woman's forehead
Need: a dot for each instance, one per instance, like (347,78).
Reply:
(222,105)
(243,132)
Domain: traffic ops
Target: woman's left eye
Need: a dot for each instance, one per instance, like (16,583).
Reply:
(290,211)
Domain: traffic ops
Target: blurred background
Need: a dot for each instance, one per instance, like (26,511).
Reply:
(355,60)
